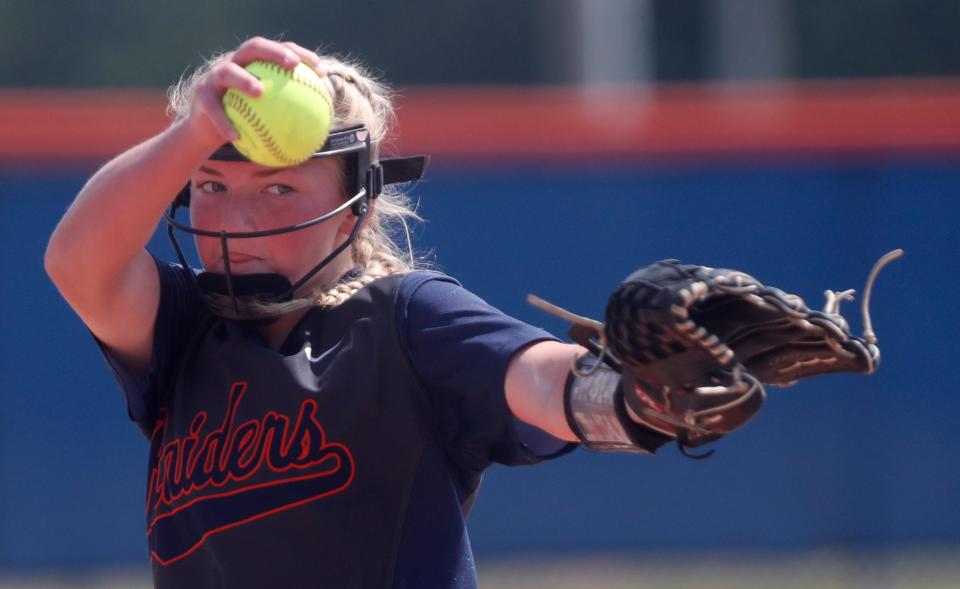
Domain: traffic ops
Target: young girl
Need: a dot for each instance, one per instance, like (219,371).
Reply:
(320,412)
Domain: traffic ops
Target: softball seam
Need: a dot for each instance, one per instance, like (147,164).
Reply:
(242,107)
(239,103)
(308,82)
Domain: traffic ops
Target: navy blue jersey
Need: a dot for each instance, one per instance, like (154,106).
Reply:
(347,458)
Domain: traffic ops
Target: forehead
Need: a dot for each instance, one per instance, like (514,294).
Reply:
(317,168)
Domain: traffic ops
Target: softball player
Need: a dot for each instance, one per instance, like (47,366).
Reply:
(319,411)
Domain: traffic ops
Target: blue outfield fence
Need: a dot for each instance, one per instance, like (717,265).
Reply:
(862,462)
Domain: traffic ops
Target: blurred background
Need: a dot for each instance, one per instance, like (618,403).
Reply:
(572,141)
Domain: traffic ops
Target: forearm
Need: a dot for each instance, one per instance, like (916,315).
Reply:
(535,386)
(537,383)
(115,214)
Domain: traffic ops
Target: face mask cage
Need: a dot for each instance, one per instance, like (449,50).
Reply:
(365,180)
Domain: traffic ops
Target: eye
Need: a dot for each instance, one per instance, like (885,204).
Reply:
(279,189)
(210,186)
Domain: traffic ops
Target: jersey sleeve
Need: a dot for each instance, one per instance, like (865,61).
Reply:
(180,308)
(460,348)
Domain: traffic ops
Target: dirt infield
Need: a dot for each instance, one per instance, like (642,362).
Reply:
(824,569)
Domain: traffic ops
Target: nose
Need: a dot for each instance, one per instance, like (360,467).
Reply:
(230,213)
(237,218)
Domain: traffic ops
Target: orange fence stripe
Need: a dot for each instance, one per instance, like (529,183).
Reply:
(552,122)
(76,124)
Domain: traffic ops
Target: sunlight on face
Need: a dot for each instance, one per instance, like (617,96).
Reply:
(243,197)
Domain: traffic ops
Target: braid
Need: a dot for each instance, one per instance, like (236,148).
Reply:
(359,97)
(347,77)
(380,265)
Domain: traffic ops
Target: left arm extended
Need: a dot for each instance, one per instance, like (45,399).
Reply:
(687,350)
(535,384)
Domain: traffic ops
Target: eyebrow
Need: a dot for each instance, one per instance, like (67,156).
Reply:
(261,174)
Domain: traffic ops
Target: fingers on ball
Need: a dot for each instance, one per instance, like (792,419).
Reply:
(232,75)
(259,48)
(214,109)
(307,56)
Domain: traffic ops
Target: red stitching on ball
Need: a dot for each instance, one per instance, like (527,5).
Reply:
(242,107)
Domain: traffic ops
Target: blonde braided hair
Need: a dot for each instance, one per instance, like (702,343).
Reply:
(357,98)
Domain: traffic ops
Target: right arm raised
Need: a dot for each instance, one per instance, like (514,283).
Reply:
(96,256)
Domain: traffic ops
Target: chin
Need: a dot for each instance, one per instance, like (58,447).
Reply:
(241,268)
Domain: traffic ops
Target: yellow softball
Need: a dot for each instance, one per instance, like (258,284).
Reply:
(288,122)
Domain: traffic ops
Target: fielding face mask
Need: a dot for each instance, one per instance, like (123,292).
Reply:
(365,180)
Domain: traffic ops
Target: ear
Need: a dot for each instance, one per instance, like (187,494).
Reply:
(346,225)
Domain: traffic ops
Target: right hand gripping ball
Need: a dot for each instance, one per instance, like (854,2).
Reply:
(288,122)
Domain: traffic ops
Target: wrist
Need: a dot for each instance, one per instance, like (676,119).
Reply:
(197,137)
(597,414)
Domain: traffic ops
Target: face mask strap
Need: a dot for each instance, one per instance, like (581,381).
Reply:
(358,202)
(346,243)
(227,272)
(173,238)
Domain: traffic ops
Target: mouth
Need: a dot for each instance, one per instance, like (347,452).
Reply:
(237,258)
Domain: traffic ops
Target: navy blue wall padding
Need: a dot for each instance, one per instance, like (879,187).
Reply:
(859,461)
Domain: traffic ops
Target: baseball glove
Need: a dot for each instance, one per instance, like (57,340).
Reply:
(695,345)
